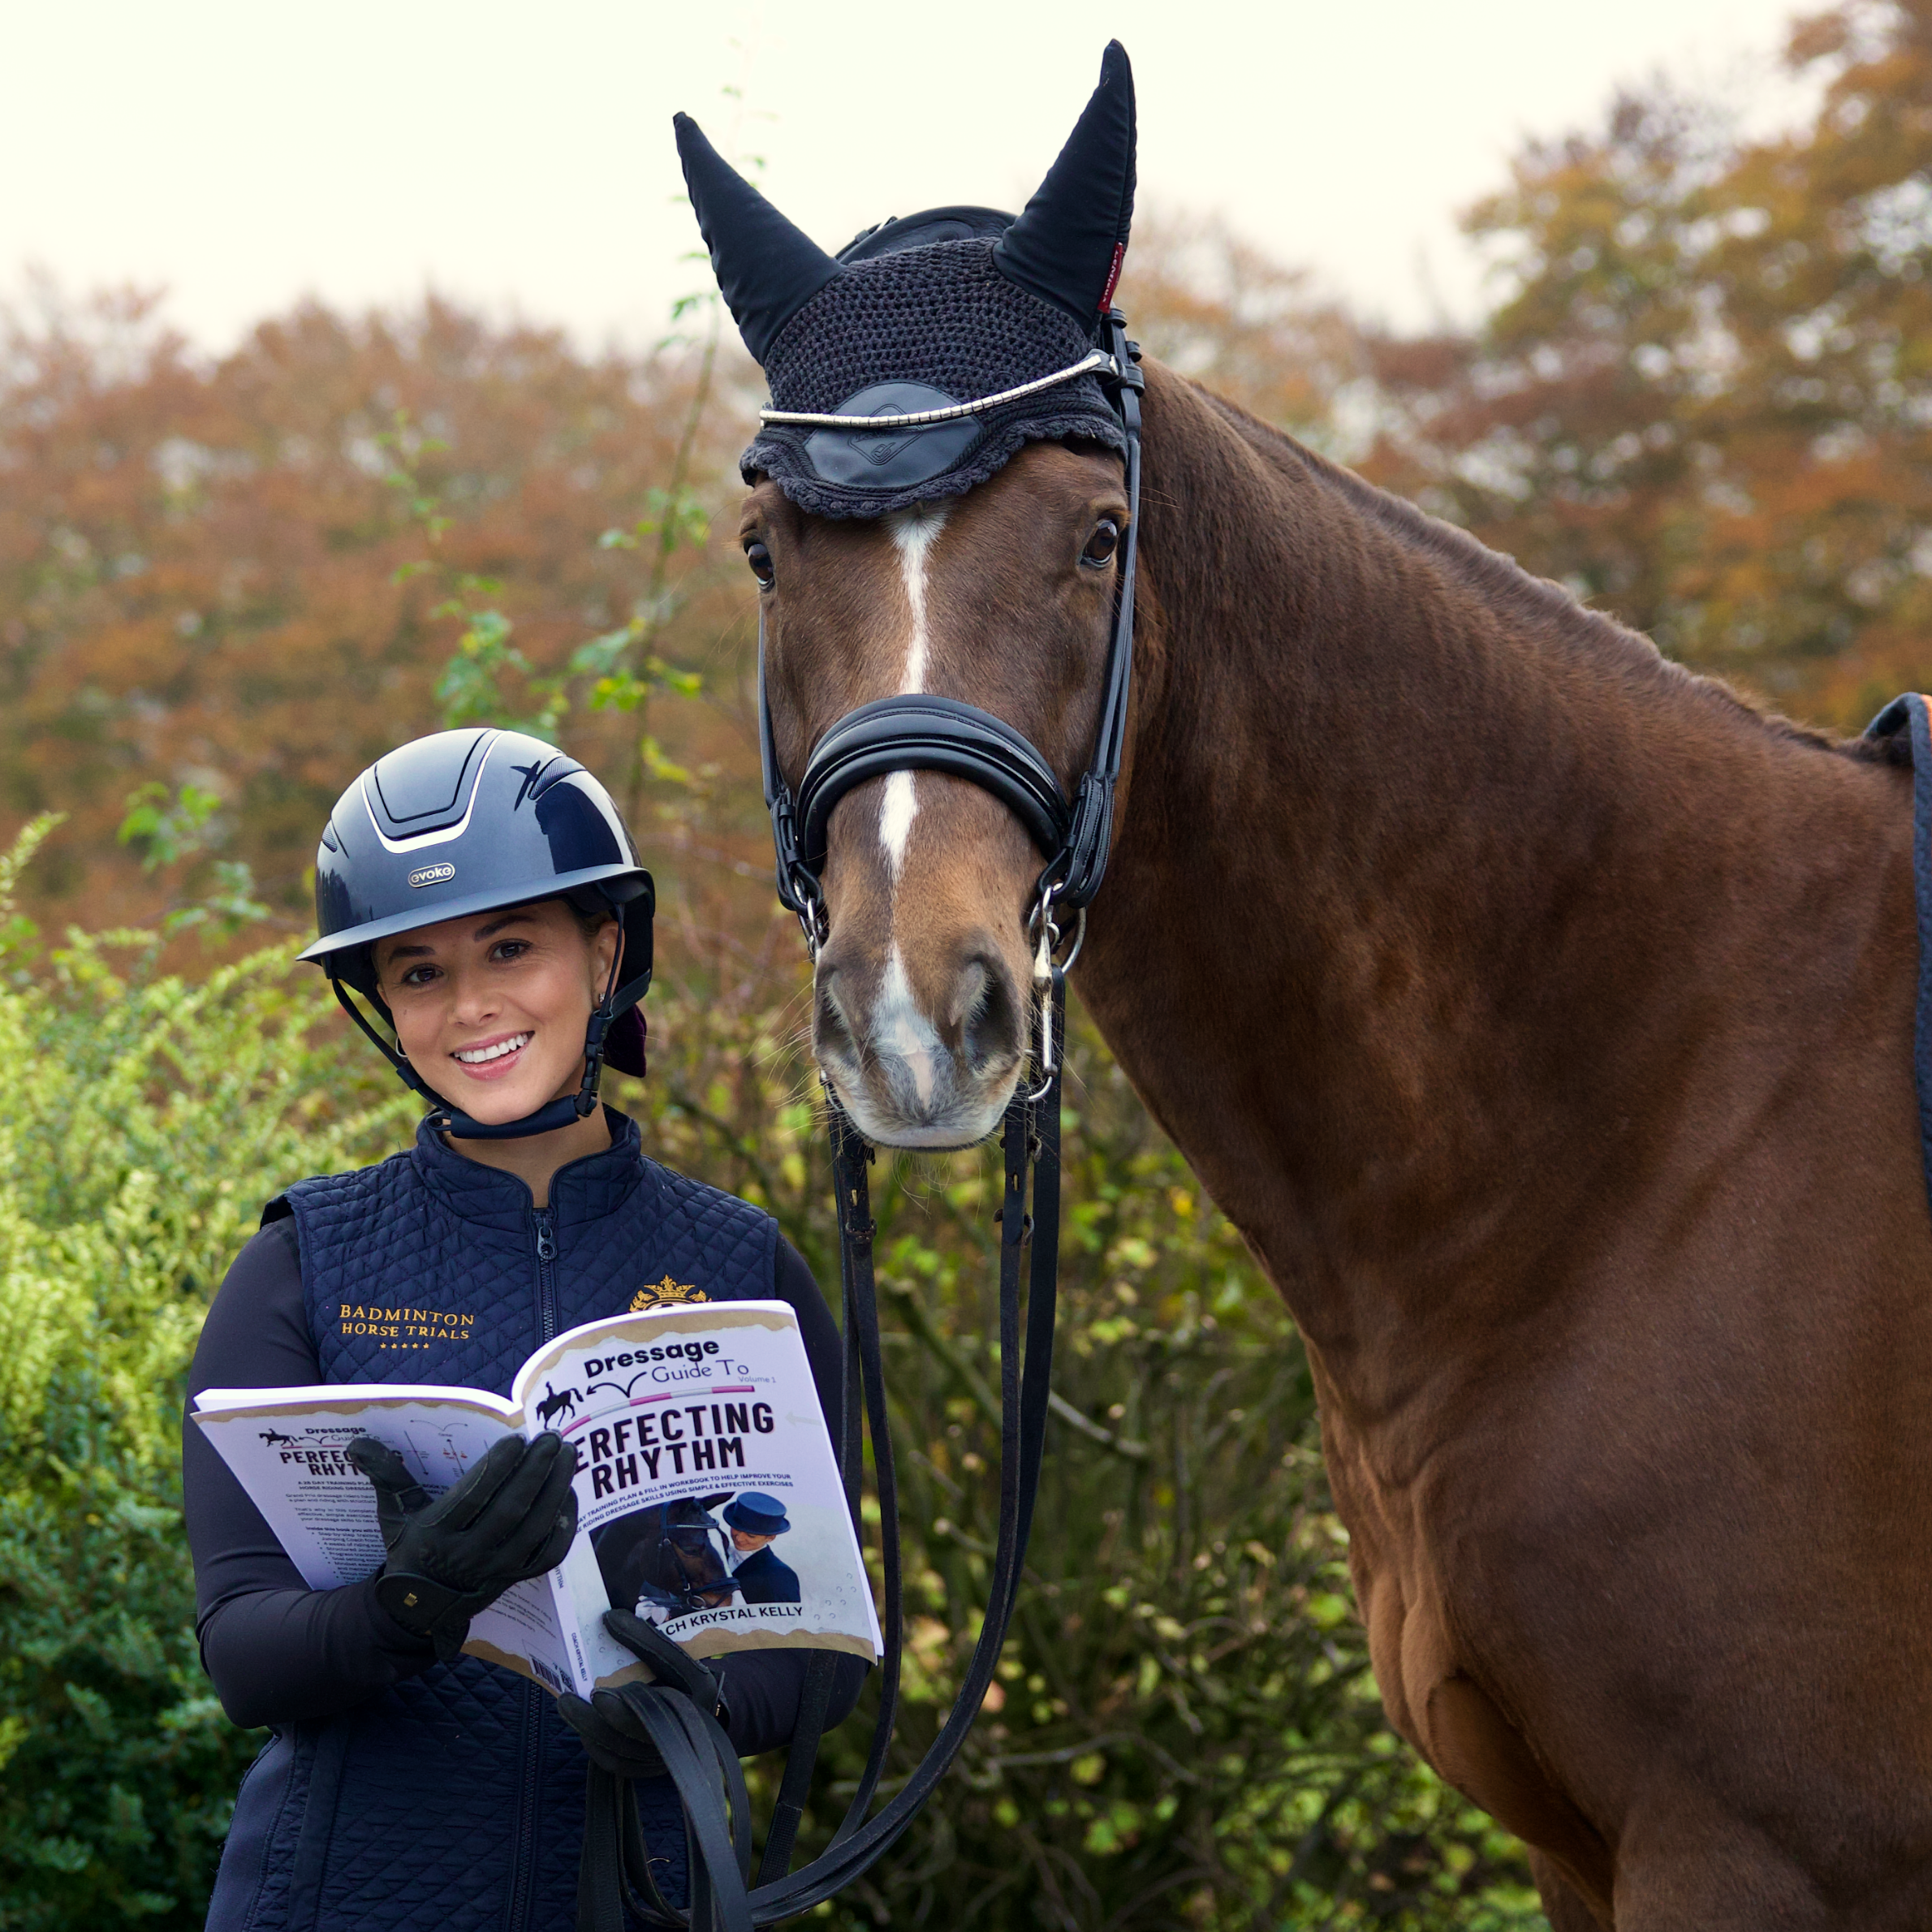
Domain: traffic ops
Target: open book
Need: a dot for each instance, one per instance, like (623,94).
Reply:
(708,1497)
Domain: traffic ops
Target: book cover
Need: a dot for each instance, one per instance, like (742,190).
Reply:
(708,1496)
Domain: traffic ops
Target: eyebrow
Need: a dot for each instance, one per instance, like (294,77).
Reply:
(519,915)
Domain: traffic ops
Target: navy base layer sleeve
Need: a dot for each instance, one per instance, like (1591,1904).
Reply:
(279,1653)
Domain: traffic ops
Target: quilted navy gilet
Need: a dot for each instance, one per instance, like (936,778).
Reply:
(454,1802)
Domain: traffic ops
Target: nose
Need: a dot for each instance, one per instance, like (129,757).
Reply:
(473,997)
(924,1052)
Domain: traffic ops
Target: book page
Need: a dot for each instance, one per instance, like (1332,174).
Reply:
(286,1447)
(706,1486)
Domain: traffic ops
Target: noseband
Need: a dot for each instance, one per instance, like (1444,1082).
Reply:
(919,732)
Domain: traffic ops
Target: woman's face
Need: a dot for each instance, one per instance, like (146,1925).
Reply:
(491,1010)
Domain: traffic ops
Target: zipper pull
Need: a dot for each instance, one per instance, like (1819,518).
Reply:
(546,1245)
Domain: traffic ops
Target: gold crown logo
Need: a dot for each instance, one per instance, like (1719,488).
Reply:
(666,1294)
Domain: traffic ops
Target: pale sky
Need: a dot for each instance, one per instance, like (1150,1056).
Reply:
(520,156)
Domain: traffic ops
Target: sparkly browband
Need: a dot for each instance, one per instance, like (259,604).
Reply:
(1097,358)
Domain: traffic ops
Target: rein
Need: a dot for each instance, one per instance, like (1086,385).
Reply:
(617,1869)
(898,734)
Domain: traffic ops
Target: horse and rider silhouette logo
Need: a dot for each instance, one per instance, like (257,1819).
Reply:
(272,1436)
(554,1404)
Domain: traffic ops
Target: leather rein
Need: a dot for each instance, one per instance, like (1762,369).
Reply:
(914,732)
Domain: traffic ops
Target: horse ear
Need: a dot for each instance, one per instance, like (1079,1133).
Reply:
(767,269)
(1068,247)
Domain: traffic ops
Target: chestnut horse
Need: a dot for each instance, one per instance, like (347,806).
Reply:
(1543,1017)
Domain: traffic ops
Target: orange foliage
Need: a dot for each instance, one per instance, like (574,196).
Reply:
(1703,401)
(1253,331)
(199,561)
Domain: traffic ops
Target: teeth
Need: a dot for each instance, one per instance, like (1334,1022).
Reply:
(475,1056)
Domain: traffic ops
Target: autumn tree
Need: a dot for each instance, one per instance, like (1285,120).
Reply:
(1254,329)
(1703,400)
(235,582)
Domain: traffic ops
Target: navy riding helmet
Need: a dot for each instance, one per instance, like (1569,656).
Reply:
(471,821)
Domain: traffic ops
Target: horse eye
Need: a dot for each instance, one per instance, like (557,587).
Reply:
(759,559)
(1101,544)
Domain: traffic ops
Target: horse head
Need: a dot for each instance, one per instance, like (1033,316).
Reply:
(695,1546)
(977,560)
(670,1555)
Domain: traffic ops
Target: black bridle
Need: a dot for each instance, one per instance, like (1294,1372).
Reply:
(916,732)
(674,1541)
(897,734)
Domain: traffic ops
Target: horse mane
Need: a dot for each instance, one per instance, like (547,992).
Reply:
(1504,583)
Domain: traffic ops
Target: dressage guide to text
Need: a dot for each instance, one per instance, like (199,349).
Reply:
(708,1499)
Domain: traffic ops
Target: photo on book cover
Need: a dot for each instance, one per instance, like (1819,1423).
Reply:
(706,1486)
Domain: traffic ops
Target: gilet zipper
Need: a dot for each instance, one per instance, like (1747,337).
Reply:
(546,1272)
(523,1871)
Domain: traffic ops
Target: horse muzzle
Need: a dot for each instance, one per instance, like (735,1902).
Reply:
(929,1072)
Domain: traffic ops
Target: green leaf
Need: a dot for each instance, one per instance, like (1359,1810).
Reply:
(166,827)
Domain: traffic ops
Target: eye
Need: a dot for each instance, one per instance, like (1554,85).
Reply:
(418,977)
(1101,544)
(759,559)
(506,950)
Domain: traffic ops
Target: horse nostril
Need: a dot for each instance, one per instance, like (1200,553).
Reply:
(993,1034)
(831,1034)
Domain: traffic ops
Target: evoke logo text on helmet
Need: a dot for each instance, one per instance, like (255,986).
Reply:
(433,875)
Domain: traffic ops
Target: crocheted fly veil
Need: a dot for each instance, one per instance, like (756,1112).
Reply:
(919,315)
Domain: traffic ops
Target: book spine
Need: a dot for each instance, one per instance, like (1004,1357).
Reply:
(563,1603)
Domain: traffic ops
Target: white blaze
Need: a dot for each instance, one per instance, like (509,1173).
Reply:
(901,1031)
(914,532)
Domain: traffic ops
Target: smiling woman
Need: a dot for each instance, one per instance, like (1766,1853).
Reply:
(492,1010)
(479,890)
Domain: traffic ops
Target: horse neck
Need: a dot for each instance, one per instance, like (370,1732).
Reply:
(1408,840)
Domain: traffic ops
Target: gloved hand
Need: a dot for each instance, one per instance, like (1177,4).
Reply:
(613,1731)
(512,1517)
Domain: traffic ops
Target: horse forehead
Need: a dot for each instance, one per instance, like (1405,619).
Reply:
(1045,484)
(883,600)
(851,599)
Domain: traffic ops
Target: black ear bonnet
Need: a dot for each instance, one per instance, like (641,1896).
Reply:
(949,307)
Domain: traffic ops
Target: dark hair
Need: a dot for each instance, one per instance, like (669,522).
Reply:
(593,912)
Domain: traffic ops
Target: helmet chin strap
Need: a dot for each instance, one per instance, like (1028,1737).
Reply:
(564,1111)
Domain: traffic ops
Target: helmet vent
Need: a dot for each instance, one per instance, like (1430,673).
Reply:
(426,786)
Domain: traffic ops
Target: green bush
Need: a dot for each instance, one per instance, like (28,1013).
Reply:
(1185,1729)
(147,1120)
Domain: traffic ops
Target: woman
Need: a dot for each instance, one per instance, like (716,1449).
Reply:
(479,890)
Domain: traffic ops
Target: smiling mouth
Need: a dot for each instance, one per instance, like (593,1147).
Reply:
(490,1055)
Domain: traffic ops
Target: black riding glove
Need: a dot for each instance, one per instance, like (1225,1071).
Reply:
(613,1731)
(510,1518)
